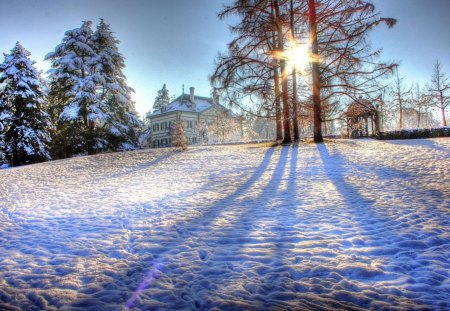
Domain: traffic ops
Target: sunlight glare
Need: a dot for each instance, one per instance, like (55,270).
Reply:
(298,56)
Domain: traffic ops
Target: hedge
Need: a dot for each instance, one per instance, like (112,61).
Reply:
(415,133)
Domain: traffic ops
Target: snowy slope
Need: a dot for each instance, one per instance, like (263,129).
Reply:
(344,225)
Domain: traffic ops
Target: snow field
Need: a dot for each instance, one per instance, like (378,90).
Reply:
(345,225)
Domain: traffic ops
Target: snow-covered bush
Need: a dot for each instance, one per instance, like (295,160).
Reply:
(416,133)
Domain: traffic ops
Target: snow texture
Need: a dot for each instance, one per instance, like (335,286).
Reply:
(345,225)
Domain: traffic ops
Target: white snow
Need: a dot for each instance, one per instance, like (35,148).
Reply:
(344,225)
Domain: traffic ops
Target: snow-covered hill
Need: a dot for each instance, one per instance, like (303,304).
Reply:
(343,225)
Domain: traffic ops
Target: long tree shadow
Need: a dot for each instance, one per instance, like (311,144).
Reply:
(426,143)
(195,258)
(146,272)
(158,160)
(397,243)
(228,252)
(257,252)
(262,259)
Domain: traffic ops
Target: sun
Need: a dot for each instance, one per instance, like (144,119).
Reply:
(297,56)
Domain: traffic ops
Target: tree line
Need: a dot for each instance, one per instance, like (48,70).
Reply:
(84,105)
(255,74)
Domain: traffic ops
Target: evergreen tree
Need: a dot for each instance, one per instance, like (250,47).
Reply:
(24,122)
(73,93)
(179,139)
(121,122)
(89,95)
(162,100)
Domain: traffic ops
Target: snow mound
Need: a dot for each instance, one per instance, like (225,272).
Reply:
(346,225)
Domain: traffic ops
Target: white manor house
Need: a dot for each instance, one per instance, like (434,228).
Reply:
(204,121)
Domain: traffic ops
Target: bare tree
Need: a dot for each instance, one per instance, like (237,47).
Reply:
(439,90)
(420,103)
(343,63)
(247,74)
(399,98)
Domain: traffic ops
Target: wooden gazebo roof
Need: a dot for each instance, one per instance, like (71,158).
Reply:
(360,109)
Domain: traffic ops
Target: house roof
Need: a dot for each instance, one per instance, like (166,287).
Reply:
(184,103)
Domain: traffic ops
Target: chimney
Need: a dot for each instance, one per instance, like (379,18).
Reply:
(192,98)
(215,96)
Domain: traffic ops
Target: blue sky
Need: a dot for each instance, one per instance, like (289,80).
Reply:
(175,41)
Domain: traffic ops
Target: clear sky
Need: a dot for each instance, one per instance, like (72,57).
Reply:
(175,41)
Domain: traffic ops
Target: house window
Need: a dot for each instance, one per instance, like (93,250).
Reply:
(194,140)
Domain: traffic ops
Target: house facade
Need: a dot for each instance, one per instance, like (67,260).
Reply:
(204,120)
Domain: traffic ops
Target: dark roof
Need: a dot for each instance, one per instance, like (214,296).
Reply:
(361,108)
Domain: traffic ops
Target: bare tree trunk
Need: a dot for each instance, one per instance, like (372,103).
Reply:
(315,73)
(441,107)
(419,106)
(294,84)
(400,111)
(284,83)
(276,82)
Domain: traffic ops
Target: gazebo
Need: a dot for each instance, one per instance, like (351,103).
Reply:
(362,119)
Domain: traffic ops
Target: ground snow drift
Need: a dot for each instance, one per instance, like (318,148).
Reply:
(343,225)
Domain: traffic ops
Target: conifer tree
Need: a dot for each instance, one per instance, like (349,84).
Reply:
(121,121)
(162,100)
(179,139)
(89,94)
(73,92)
(24,122)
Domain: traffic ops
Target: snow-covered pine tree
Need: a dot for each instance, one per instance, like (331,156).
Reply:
(179,139)
(24,122)
(160,104)
(89,94)
(73,92)
(122,122)
(162,100)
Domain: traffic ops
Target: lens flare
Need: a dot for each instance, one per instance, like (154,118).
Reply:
(297,56)
(153,273)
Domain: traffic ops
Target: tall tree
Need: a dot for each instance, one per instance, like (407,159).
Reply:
(249,73)
(294,78)
(439,90)
(400,98)
(343,63)
(419,103)
(89,94)
(24,123)
(115,106)
(317,111)
(278,21)
(73,91)
(161,100)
